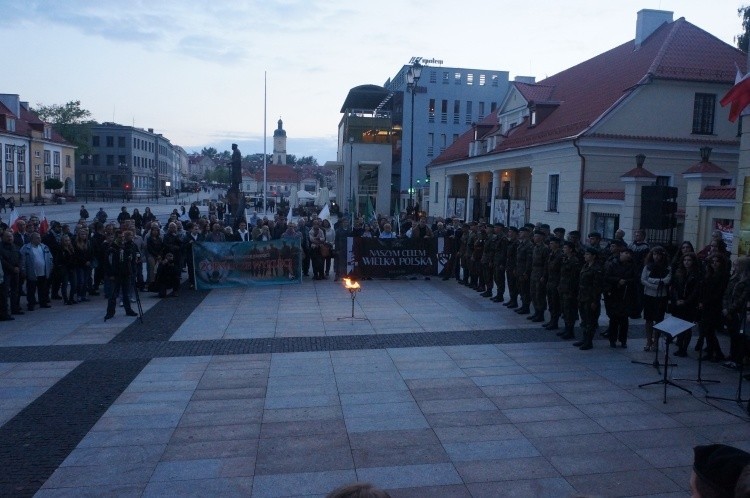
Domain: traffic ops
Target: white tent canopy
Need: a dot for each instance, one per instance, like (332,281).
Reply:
(305,195)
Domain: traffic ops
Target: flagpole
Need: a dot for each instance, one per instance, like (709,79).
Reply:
(265,172)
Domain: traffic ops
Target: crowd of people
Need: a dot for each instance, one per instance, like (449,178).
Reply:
(553,276)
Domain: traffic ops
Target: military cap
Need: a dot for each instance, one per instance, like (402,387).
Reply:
(523,229)
(567,243)
(556,240)
(595,234)
(592,250)
(574,233)
(538,232)
(513,229)
(558,230)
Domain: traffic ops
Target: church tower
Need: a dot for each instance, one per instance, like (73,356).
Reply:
(279,144)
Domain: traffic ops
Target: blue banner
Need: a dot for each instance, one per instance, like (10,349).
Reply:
(244,264)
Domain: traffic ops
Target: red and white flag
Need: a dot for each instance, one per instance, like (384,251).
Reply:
(43,223)
(13,221)
(738,96)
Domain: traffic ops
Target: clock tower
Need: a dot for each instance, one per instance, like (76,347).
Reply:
(279,144)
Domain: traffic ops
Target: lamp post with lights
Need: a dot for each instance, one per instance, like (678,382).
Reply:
(412,78)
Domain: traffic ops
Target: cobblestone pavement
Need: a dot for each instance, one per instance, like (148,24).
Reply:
(430,391)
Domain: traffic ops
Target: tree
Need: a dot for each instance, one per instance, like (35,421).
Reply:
(307,161)
(71,121)
(53,184)
(743,38)
(209,152)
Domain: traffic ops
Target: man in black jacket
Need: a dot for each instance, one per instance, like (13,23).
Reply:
(119,263)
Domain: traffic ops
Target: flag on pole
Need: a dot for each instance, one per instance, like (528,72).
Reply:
(738,96)
(325,213)
(289,215)
(13,221)
(370,213)
(43,223)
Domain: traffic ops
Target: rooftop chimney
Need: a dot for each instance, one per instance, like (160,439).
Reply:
(649,21)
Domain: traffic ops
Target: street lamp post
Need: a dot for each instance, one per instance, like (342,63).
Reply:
(412,78)
(351,186)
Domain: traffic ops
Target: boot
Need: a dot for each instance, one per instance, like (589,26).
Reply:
(569,332)
(512,304)
(486,294)
(538,318)
(553,323)
(523,310)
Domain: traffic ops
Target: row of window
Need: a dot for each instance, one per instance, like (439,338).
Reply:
(458,77)
(109,141)
(468,111)
(442,143)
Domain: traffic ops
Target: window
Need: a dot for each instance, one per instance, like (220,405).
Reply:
(663,181)
(446,77)
(95,141)
(110,160)
(554,190)
(95,160)
(494,80)
(725,182)
(430,144)
(469,111)
(431,111)
(433,76)
(481,111)
(444,111)
(21,179)
(456,111)
(20,155)
(8,152)
(10,123)
(68,161)
(606,224)
(38,170)
(703,113)
(47,164)
(9,179)
(121,160)
(110,141)
(47,132)
(482,79)
(121,141)
(442,142)
(56,159)
(457,78)
(470,79)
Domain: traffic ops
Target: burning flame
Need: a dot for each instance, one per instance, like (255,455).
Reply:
(351,285)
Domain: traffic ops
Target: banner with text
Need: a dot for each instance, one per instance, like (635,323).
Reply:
(389,258)
(244,264)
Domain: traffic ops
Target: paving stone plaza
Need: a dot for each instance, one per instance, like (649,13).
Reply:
(431,391)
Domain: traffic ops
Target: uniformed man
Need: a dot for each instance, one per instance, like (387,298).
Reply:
(488,261)
(570,269)
(539,256)
(477,278)
(524,256)
(589,296)
(552,281)
(510,268)
(500,256)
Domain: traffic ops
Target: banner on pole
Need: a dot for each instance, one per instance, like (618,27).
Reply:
(244,264)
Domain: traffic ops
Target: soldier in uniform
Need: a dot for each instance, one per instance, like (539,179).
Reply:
(524,254)
(552,279)
(570,269)
(510,268)
(589,296)
(619,286)
(539,256)
(463,255)
(498,263)
(477,278)
(488,261)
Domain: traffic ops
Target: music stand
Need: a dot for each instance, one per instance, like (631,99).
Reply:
(670,327)
(701,380)
(743,347)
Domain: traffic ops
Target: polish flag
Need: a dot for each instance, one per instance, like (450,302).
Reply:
(13,221)
(43,223)
(738,96)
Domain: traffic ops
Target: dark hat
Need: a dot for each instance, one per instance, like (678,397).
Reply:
(574,233)
(592,250)
(544,226)
(513,229)
(539,232)
(530,226)
(719,466)
(618,243)
(524,229)
(558,229)
(567,243)
(499,225)
(556,240)
(595,234)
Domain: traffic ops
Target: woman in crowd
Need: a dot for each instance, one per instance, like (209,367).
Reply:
(685,293)
(154,250)
(685,248)
(655,277)
(82,262)
(67,265)
(714,284)
(148,218)
(137,218)
(330,236)
(735,307)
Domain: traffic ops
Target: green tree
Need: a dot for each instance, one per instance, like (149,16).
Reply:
(71,121)
(743,38)
(210,152)
(53,184)
(307,161)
